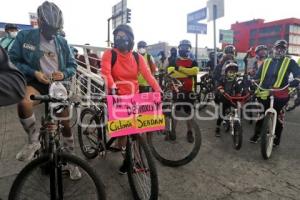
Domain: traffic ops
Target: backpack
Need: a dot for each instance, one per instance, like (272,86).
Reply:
(135,55)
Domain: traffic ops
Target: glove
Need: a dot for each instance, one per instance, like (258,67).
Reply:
(114,91)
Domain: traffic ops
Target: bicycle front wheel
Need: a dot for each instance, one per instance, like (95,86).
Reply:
(267,137)
(31,183)
(88,130)
(142,174)
(237,135)
(172,146)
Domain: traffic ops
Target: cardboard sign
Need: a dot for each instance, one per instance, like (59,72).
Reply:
(134,114)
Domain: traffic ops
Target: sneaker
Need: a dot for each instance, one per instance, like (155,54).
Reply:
(218,134)
(124,168)
(254,139)
(190,137)
(28,151)
(74,172)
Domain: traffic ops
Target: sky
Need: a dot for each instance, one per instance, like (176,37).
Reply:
(85,21)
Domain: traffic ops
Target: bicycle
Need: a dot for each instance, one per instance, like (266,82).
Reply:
(206,90)
(234,121)
(45,177)
(93,141)
(168,146)
(269,123)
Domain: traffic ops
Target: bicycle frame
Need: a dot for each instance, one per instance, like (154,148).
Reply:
(272,111)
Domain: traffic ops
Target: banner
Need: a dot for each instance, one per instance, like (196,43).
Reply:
(134,114)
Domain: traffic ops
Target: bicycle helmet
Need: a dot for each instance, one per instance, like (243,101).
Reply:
(280,48)
(10,26)
(50,15)
(141,44)
(260,47)
(129,33)
(185,43)
(229,49)
(232,66)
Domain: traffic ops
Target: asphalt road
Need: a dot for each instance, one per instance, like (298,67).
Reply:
(218,172)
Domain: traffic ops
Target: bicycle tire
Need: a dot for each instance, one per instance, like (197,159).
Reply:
(68,158)
(81,133)
(186,158)
(139,142)
(237,135)
(266,139)
(202,97)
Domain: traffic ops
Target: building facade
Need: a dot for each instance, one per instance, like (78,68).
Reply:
(256,32)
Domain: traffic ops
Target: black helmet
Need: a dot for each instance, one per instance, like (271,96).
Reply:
(229,49)
(173,50)
(281,43)
(126,29)
(141,44)
(50,15)
(10,26)
(185,42)
(260,47)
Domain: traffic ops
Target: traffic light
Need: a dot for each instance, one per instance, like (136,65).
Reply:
(128,15)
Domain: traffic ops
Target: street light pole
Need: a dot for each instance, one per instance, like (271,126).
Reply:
(196,48)
(215,40)
(108,32)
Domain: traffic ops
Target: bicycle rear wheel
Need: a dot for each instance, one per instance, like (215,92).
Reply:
(88,130)
(237,135)
(267,138)
(142,174)
(32,184)
(171,147)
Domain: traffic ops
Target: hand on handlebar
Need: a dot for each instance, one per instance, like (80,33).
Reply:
(41,77)
(57,76)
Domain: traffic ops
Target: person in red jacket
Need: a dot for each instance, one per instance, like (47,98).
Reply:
(122,77)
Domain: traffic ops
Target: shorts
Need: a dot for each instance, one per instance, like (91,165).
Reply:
(43,89)
(186,102)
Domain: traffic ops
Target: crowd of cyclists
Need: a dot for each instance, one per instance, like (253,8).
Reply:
(43,53)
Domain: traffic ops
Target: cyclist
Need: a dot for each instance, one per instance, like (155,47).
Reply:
(121,74)
(229,54)
(274,73)
(226,84)
(185,70)
(142,49)
(11,33)
(40,54)
(261,53)
(173,56)
(12,81)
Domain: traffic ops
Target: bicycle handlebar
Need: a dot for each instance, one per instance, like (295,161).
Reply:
(271,90)
(48,98)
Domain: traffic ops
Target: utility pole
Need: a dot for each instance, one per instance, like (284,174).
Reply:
(215,40)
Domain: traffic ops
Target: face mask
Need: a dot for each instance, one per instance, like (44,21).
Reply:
(142,51)
(231,76)
(13,34)
(279,53)
(122,44)
(48,32)
(262,54)
(184,53)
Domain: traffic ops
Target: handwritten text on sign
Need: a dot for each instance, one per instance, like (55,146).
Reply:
(134,114)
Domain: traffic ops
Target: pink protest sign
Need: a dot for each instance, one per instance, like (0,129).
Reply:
(134,114)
